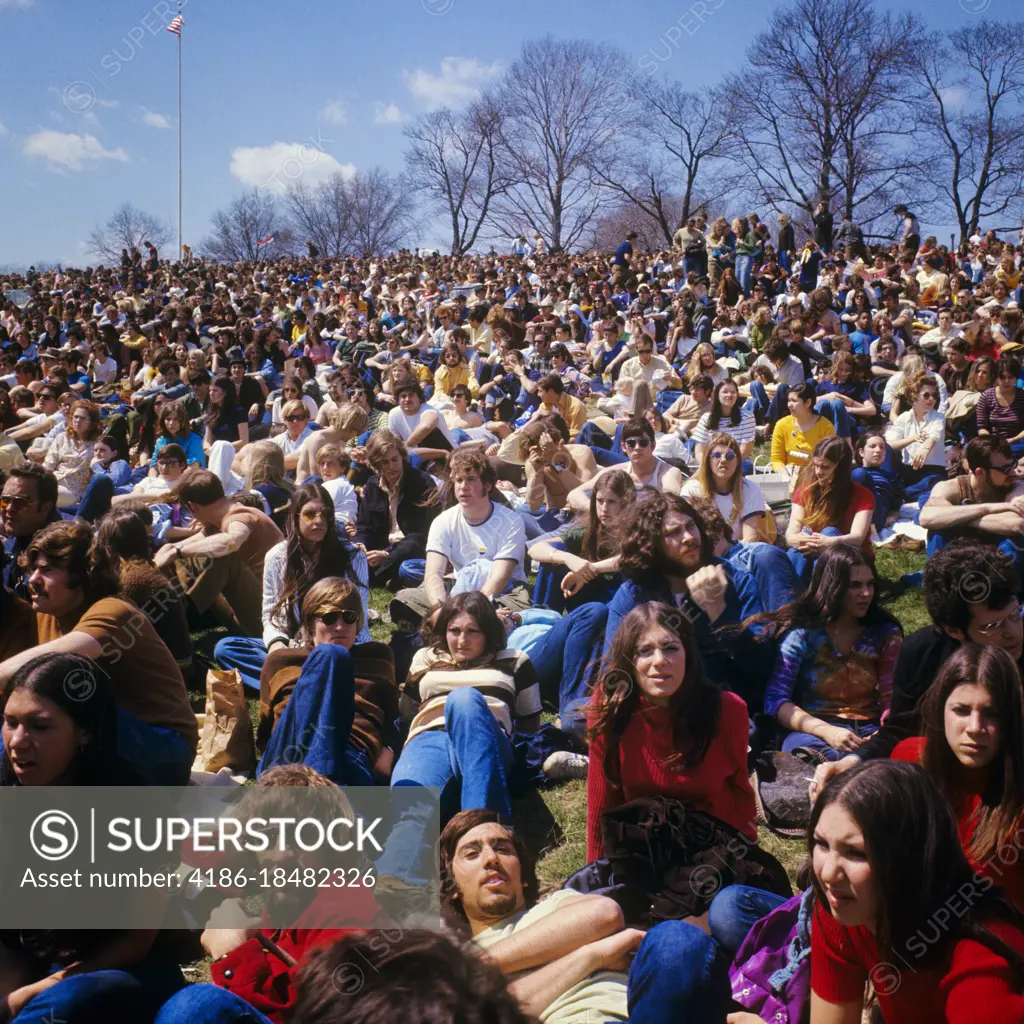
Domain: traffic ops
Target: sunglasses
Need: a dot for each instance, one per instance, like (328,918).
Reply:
(645,351)
(1008,468)
(636,442)
(295,419)
(930,394)
(346,615)
(47,396)
(727,456)
(307,515)
(14,501)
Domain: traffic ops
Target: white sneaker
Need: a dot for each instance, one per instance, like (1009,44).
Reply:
(563,764)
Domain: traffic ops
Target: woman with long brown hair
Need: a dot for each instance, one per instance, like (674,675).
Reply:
(69,457)
(828,506)
(660,727)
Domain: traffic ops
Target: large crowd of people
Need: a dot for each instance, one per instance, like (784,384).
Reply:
(553,466)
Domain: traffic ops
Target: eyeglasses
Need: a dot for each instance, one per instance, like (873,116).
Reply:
(307,515)
(1008,468)
(48,396)
(645,351)
(930,394)
(14,501)
(346,615)
(167,463)
(1008,623)
(295,419)
(727,456)
(636,442)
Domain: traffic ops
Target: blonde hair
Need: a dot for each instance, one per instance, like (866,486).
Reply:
(695,369)
(294,407)
(705,478)
(266,465)
(334,593)
(350,418)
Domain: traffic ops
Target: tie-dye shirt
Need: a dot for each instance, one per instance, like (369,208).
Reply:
(811,673)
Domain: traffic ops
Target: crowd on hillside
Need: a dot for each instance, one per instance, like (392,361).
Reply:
(557,466)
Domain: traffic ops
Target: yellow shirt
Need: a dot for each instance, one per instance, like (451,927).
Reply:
(791,446)
(573,411)
(448,377)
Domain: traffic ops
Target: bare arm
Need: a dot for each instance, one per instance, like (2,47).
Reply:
(498,580)
(70,643)
(428,422)
(939,512)
(433,577)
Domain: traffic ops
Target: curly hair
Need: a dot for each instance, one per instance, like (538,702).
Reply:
(963,575)
(641,545)
(70,545)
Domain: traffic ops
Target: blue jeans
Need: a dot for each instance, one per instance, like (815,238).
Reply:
(804,739)
(679,975)
(162,756)
(96,500)
(246,653)
(563,661)
(834,410)
(804,564)
(133,994)
(208,1004)
(316,724)
(918,483)
(773,572)
(735,910)
(744,265)
(469,761)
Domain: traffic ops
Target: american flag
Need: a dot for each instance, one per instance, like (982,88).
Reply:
(175,25)
(270,238)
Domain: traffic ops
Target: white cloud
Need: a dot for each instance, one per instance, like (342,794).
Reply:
(3,130)
(954,96)
(110,104)
(285,163)
(68,151)
(389,114)
(460,81)
(333,112)
(16,3)
(154,120)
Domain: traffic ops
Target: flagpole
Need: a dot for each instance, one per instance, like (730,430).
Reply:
(179,144)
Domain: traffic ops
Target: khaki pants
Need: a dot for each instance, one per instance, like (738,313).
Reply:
(412,605)
(227,587)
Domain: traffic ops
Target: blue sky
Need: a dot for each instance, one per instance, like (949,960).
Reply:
(276,90)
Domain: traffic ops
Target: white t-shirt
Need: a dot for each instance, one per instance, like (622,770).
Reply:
(907,425)
(346,501)
(601,996)
(275,412)
(791,371)
(753,500)
(670,446)
(743,432)
(105,372)
(501,536)
(287,445)
(403,426)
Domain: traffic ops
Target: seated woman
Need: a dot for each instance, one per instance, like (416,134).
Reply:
(291,391)
(668,445)
(313,549)
(587,549)
(886,860)
(704,364)
(972,718)
(919,435)
(174,428)
(832,680)
(720,478)
(961,415)
(464,422)
(828,507)
(795,435)
(465,698)
(226,420)
(727,416)
(576,383)
(331,701)
(659,727)
(266,477)
(69,457)
(842,396)
(56,735)
(1000,409)
(398,505)
(878,470)
(123,540)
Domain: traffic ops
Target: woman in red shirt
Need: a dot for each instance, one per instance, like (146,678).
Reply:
(829,507)
(660,727)
(898,904)
(973,750)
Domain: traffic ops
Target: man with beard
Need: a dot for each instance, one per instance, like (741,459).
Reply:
(985,504)
(568,956)
(972,595)
(667,556)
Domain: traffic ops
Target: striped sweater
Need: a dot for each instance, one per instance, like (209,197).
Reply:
(508,684)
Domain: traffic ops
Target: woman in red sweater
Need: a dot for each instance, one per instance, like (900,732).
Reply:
(973,750)
(659,727)
(898,904)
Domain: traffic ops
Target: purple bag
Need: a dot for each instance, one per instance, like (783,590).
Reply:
(771,973)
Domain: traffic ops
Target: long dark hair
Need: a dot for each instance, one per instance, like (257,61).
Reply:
(716,414)
(913,847)
(641,542)
(473,603)
(82,690)
(331,557)
(600,541)
(824,502)
(696,707)
(822,602)
(224,382)
(999,812)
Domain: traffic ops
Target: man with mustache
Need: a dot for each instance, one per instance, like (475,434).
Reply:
(568,956)
(667,556)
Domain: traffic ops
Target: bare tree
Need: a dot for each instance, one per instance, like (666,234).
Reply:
(822,107)
(454,163)
(322,215)
(128,228)
(566,109)
(382,211)
(249,220)
(675,164)
(972,120)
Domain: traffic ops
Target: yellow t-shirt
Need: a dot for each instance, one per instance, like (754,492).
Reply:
(791,446)
(573,411)
(599,997)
